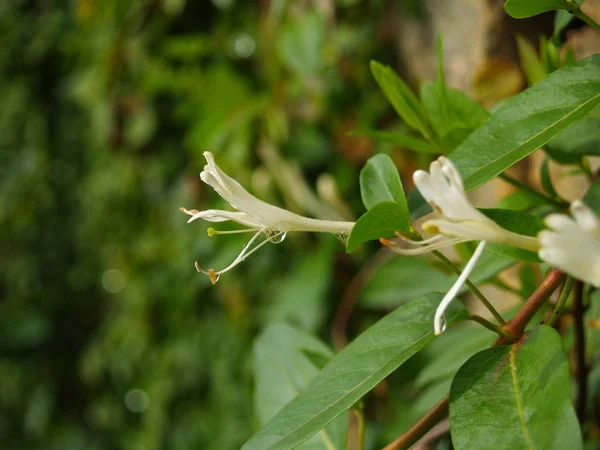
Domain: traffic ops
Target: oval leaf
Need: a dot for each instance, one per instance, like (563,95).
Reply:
(381,221)
(519,9)
(515,396)
(353,372)
(380,182)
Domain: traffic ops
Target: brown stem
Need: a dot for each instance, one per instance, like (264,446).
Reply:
(517,324)
(581,365)
(435,414)
(515,327)
(350,297)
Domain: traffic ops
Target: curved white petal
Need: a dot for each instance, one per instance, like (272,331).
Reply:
(573,245)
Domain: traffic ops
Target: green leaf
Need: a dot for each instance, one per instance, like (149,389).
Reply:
(402,98)
(282,369)
(518,222)
(522,124)
(451,350)
(520,201)
(562,18)
(302,293)
(532,67)
(529,120)
(520,9)
(300,43)
(460,112)
(581,139)
(403,140)
(403,278)
(528,279)
(353,372)
(515,396)
(546,180)
(381,221)
(592,197)
(380,182)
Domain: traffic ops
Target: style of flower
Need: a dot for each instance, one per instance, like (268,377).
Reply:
(573,244)
(255,215)
(457,221)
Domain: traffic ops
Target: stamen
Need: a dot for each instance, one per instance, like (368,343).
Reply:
(439,321)
(423,250)
(189,212)
(211,231)
(422,242)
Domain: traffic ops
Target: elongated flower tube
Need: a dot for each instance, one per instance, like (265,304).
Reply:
(457,221)
(573,244)
(255,215)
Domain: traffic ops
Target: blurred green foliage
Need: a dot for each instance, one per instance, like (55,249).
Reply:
(108,336)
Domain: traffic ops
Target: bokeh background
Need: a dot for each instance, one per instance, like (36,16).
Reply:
(109,338)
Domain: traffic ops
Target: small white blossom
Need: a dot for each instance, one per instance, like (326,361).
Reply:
(573,244)
(457,221)
(255,215)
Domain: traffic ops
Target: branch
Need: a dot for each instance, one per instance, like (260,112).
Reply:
(515,327)
(580,362)
(435,414)
(517,324)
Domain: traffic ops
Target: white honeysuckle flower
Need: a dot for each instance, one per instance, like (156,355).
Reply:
(573,244)
(457,221)
(255,215)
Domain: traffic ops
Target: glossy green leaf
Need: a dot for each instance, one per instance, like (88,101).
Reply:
(402,98)
(282,370)
(529,120)
(519,9)
(518,222)
(523,123)
(380,182)
(403,278)
(353,372)
(515,396)
(381,221)
(451,350)
(403,140)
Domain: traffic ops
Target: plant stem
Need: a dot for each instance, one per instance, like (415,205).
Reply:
(582,369)
(435,414)
(493,327)
(517,324)
(560,304)
(472,287)
(587,19)
(515,327)
(360,432)
(516,183)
